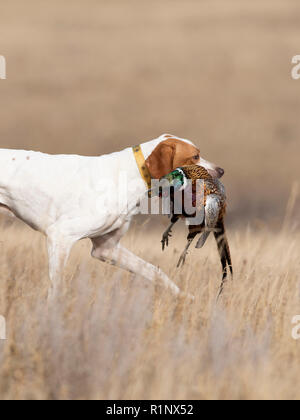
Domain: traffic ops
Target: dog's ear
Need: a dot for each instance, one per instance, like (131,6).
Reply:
(169,155)
(160,162)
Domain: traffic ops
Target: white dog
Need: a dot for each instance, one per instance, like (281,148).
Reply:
(70,197)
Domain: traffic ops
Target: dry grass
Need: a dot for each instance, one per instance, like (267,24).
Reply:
(114,336)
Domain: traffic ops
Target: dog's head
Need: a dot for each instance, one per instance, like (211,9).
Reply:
(174,153)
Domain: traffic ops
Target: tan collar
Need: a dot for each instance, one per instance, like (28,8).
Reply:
(140,161)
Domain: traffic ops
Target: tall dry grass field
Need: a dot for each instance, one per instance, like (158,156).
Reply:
(112,335)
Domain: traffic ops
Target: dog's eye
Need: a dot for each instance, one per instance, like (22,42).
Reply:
(196,157)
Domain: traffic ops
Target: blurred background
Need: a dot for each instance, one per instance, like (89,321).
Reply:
(94,76)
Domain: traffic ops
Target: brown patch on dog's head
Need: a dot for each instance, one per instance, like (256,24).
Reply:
(171,154)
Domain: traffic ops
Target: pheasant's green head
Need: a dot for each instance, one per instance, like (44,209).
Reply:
(175,180)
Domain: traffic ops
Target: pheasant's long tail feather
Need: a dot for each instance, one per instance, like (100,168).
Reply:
(224,252)
(202,240)
(228,254)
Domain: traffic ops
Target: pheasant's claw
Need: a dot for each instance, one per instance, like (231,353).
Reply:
(220,292)
(221,289)
(182,259)
(165,239)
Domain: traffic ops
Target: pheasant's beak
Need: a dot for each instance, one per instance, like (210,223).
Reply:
(214,170)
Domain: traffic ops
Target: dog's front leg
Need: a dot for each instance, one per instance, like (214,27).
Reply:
(123,258)
(59,248)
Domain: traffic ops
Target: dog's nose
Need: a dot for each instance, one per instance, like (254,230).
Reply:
(220,172)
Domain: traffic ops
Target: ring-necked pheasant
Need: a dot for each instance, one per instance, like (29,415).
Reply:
(208,199)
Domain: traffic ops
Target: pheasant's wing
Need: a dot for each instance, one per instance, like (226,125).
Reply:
(212,211)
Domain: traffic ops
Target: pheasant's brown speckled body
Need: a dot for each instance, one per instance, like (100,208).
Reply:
(211,185)
(214,203)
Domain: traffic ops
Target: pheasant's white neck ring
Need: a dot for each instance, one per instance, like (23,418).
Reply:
(185,181)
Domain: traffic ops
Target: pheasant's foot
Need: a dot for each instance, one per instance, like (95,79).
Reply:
(165,238)
(182,259)
(221,289)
